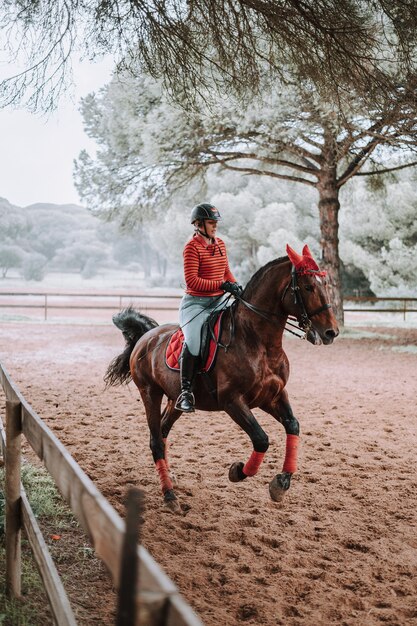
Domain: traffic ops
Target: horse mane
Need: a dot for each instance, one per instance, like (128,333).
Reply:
(253,281)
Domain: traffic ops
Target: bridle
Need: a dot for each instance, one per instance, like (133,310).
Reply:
(304,321)
(304,318)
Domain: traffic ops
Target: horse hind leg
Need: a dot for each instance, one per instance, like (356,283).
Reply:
(152,399)
(169,416)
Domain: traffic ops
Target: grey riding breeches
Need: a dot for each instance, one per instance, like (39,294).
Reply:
(194,310)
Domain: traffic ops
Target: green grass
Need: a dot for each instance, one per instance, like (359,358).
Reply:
(33,609)
(82,573)
(42,493)
(46,503)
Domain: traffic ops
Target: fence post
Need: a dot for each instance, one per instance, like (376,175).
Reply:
(46,307)
(13,499)
(126,610)
(405,309)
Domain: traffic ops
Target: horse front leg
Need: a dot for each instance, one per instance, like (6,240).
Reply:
(282,412)
(241,414)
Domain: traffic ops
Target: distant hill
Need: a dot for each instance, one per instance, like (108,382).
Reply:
(5,204)
(33,209)
(56,207)
(60,237)
(45,237)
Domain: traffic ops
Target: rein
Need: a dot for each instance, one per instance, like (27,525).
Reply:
(304,323)
(269,316)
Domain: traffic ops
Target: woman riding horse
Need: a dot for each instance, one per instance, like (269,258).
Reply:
(207,279)
(252,371)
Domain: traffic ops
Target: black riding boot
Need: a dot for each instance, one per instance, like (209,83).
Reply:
(189,366)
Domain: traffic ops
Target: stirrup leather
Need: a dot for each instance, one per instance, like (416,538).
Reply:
(187,397)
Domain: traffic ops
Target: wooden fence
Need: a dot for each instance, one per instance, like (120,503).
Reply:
(158,600)
(168,301)
(55,301)
(368,304)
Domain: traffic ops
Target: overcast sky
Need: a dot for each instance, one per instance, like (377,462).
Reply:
(37,152)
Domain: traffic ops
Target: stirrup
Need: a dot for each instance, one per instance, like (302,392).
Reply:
(186,397)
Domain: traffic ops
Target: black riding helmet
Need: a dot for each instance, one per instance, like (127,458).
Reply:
(205,211)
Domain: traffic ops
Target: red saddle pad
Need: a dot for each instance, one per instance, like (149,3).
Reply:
(174,348)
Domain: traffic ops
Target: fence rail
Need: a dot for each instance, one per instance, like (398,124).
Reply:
(404,305)
(158,599)
(87,301)
(105,301)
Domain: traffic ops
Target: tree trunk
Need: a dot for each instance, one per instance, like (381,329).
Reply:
(329,206)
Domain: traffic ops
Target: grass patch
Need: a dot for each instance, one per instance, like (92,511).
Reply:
(44,497)
(33,609)
(14,318)
(410,349)
(83,575)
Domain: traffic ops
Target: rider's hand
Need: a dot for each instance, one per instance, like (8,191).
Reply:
(234,288)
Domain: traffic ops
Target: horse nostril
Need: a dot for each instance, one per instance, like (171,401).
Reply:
(331,334)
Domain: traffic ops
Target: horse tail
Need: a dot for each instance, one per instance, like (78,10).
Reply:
(133,325)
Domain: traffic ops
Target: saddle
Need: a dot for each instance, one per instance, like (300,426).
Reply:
(210,336)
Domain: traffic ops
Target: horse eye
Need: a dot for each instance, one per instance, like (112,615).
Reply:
(309,288)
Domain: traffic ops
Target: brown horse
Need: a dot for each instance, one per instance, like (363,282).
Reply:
(252,372)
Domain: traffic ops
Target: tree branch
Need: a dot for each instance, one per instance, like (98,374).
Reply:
(263,159)
(387,169)
(357,162)
(253,171)
(312,142)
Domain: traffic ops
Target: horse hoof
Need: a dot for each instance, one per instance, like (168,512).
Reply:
(173,507)
(171,503)
(279,485)
(236,473)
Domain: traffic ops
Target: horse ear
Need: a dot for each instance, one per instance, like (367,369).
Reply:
(295,258)
(306,252)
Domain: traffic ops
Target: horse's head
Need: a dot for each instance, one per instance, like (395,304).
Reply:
(306,298)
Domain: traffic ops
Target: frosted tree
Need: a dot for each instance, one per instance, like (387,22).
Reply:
(149,149)
(34,266)
(13,222)
(258,218)
(198,46)
(385,244)
(10,257)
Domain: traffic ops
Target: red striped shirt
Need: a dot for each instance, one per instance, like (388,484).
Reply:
(206,267)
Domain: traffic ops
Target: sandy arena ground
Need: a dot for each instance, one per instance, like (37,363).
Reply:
(341,549)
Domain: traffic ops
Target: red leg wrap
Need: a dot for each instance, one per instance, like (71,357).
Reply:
(254,463)
(291,451)
(161,468)
(166,453)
